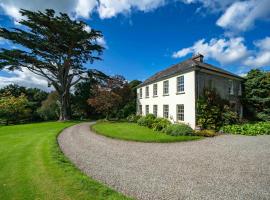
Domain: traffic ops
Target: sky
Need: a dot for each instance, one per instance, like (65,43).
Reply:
(143,37)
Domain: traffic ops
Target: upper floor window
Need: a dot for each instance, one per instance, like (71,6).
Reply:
(231,92)
(180,111)
(146,109)
(155,110)
(165,87)
(240,89)
(147,91)
(155,90)
(166,111)
(140,93)
(180,84)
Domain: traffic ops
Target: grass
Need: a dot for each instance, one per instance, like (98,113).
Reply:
(134,132)
(33,167)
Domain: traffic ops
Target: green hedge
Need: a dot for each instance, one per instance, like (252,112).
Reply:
(260,128)
(178,129)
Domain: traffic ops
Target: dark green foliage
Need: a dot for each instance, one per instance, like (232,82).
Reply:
(49,109)
(133,118)
(178,129)
(213,111)
(257,95)
(160,123)
(147,120)
(55,47)
(206,133)
(260,128)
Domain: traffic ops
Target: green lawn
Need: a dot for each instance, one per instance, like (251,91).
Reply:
(33,167)
(134,132)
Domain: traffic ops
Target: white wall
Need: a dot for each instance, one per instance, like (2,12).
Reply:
(187,98)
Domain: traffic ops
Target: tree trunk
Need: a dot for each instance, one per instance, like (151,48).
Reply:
(64,107)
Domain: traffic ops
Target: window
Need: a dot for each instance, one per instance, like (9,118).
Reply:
(180,84)
(146,91)
(240,90)
(140,93)
(155,90)
(155,110)
(231,87)
(140,109)
(166,111)
(146,109)
(180,112)
(165,87)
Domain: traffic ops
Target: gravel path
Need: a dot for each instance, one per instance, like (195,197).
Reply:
(224,167)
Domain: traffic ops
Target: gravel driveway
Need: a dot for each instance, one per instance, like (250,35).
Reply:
(224,167)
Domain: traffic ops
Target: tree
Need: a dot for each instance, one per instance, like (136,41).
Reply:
(55,47)
(49,109)
(12,108)
(257,95)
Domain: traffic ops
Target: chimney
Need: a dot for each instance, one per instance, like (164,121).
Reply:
(198,57)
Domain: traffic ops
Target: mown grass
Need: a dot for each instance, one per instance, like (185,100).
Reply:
(33,167)
(134,132)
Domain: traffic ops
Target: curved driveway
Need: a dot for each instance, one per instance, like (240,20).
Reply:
(224,167)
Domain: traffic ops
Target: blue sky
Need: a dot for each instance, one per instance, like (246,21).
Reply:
(145,36)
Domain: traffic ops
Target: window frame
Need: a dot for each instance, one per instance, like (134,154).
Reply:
(140,93)
(155,90)
(147,92)
(166,83)
(231,87)
(146,109)
(180,112)
(166,105)
(180,84)
(155,110)
(140,109)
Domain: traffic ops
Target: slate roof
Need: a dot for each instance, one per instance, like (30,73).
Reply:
(182,67)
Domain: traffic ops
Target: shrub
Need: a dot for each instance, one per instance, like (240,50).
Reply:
(260,128)
(206,133)
(178,129)
(160,123)
(133,118)
(147,120)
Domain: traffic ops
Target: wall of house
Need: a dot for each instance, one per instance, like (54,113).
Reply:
(187,98)
(221,83)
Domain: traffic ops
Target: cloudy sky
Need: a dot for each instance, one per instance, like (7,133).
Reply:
(145,36)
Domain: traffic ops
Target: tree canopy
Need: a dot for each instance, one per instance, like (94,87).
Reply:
(55,47)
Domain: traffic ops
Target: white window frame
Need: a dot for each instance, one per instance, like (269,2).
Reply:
(166,87)
(140,93)
(231,89)
(155,90)
(146,109)
(140,109)
(180,112)
(155,110)
(166,111)
(146,91)
(180,84)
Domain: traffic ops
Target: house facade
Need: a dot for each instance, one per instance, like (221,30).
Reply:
(173,92)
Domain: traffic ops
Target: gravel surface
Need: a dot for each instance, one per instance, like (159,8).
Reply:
(223,167)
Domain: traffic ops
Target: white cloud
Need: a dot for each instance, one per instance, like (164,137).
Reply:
(231,51)
(101,41)
(241,16)
(85,7)
(223,50)
(110,8)
(87,28)
(24,78)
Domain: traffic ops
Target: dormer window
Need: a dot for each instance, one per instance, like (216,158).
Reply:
(146,91)
(165,87)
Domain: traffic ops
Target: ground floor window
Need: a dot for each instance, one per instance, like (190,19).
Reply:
(140,109)
(180,112)
(166,111)
(146,109)
(155,110)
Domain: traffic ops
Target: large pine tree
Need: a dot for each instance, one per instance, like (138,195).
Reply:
(55,47)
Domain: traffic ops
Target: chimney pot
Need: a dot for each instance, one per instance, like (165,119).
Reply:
(198,57)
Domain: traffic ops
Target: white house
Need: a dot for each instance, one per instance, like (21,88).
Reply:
(172,93)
